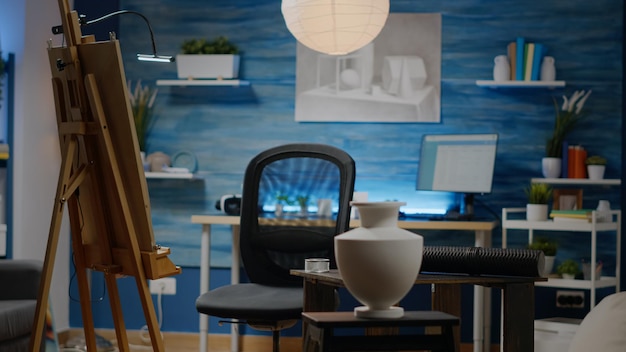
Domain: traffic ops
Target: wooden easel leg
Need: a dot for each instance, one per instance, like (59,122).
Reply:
(81,275)
(68,152)
(149,313)
(116,311)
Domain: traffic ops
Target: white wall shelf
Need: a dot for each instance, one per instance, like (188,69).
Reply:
(520,84)
(577,181)
(169,175)
(201,82)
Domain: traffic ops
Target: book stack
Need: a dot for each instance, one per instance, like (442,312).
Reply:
(525,59)
(579,215)
(573,161)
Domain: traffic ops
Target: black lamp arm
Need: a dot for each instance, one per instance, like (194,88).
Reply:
(83,21)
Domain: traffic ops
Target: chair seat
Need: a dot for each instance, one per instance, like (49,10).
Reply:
(249,301)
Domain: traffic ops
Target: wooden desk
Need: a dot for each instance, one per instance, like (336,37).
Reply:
(482,238)
(518,301)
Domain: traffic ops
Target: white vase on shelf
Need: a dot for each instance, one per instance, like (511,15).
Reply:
(551,167)
(548,70)
(379,261)
(501,68)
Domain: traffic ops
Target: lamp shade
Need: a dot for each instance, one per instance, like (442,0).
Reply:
(335,27)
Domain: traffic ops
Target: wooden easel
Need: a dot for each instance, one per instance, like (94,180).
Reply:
(102,182)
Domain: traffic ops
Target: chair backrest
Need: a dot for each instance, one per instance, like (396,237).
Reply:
(273,244)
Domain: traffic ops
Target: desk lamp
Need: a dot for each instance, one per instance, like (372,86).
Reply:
(141,57)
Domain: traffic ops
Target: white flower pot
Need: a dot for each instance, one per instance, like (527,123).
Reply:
(595,172)
(207,66)
(378,261)
(551,167)
(536,212)
(548,264)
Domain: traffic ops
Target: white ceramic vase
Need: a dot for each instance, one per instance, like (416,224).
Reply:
(536,212)
(595,172)
(501,68)
(548,70)
(551,167)
(378,261)
(548,264)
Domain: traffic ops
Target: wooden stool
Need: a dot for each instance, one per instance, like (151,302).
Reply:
(320,326)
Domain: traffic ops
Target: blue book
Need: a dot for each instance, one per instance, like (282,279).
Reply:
(537,57)
(564,160)
(519,64)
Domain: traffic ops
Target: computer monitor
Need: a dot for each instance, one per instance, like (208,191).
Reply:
(460,163)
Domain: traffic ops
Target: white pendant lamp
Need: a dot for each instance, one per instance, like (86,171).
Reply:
(335,27)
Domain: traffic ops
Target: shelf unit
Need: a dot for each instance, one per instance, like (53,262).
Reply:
(577,181)
(201,82)
(520,84)
(593,227)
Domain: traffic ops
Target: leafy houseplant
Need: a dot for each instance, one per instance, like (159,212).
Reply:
(538,193)
(549,251)
(142,104)
(565,119)
(568,268)
(545,245)
(595,160)
(220,45)
(596,165)
(537,206)
(215,59)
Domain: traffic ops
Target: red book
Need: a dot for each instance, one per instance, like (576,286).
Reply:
(579,162)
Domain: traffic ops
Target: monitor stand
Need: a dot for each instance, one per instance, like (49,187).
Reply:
(467,212)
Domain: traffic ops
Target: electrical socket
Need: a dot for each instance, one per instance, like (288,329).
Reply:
(570,299)
(164,286)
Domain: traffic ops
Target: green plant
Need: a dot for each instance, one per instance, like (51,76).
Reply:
(220,45)
(282,198)
(303,201)
(566,117)
(595,160)
(545,245)
(568,266)
(538,193)
(142,104)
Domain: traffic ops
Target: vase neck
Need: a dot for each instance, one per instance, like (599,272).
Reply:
(379,214)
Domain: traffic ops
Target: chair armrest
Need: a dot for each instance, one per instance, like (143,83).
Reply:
(20,278)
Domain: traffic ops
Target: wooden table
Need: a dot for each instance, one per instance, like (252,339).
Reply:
(518,301)
(482,238)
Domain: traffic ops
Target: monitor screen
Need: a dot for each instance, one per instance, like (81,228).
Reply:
(461,163)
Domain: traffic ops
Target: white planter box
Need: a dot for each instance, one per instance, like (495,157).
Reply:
(207,66)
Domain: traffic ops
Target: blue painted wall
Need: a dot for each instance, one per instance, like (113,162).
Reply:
(226,127)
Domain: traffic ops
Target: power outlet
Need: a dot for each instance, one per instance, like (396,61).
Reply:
(164,286)
(570,299)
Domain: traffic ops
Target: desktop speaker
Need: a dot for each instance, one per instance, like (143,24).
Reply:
(483,261)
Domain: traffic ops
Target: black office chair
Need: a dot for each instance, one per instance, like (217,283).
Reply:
(271,246)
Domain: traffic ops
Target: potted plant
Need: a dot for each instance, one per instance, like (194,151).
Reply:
(303,201)
(200,58)
(566,117)
(568,269)
(142,98)
(282,199)
(549,249)
(538,196)
(596,165)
